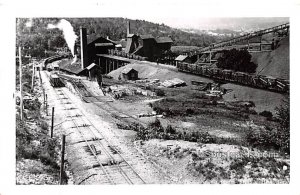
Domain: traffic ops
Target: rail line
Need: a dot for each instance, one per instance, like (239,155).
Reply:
(84,94)
(115,168)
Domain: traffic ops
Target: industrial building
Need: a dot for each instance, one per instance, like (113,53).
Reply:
(146,45)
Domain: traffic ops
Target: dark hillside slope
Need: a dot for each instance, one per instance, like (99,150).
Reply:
(275,63)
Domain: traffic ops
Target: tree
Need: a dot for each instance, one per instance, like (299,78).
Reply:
(237,60)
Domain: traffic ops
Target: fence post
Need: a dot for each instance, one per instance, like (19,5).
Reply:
(62,159)
(52,123)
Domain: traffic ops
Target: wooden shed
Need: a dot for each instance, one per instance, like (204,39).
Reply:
(92,71)
(129,74)
(183,58)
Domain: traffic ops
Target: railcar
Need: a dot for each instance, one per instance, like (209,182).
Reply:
(56,81)
(258,81)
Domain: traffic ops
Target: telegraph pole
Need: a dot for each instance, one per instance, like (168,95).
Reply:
(33,74)
(21,98)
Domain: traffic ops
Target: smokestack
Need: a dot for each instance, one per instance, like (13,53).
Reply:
(83,46)
(128,28)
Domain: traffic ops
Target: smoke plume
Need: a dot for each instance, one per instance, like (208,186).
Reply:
(68,32)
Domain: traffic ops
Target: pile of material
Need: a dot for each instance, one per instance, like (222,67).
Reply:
(119,91)
(173,83)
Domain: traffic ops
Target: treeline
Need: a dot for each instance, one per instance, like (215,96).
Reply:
(37,39)
(116,29)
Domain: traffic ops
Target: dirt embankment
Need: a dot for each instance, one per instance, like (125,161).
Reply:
(275,63)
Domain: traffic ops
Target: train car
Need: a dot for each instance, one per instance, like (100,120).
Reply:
(227,75)
(199,70)
(217,73)
(56,81)
(258,81)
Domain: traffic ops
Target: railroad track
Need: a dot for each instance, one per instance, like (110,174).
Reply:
(86,96)
(113,167)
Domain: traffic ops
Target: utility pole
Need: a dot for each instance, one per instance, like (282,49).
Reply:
(21,97)
(52,123)
(33,74)
(62,159)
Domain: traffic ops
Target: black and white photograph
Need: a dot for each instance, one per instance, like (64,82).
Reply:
(123,99)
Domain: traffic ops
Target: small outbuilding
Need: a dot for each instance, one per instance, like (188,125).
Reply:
(129,74)
(183,58)
(92,71)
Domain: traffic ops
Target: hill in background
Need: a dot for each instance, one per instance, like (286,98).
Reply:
(116,29)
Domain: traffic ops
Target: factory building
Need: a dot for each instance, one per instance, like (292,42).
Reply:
(146,45)
(91,45)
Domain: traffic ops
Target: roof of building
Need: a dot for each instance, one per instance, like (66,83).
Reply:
(72,68)
(118,45)
(54,76)
(127,70)
(146,36)
(123,42)
(91,66)
(103,44)
(93,39)
(115,57)
(181,58)
(131,35)
(164,40)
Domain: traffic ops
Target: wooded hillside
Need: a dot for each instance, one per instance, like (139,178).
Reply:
(37,38)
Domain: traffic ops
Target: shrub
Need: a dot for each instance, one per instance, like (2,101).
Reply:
(143,134)
(266,114)
(156,126)
(237,60)
(33,105)
(160,92)
(170,129)
(278,138)
(44,125)
(132,126)
(210,171)
(283,133)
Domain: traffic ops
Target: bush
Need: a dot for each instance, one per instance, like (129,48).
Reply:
(205,168)
(33,105)
(170,130)
(156,126)
(278,138)
(44,126)
(159,92)
(143,134)
(237,60)
(266,114)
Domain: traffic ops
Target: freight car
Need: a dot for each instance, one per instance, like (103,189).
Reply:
(252,80)
(56,81)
